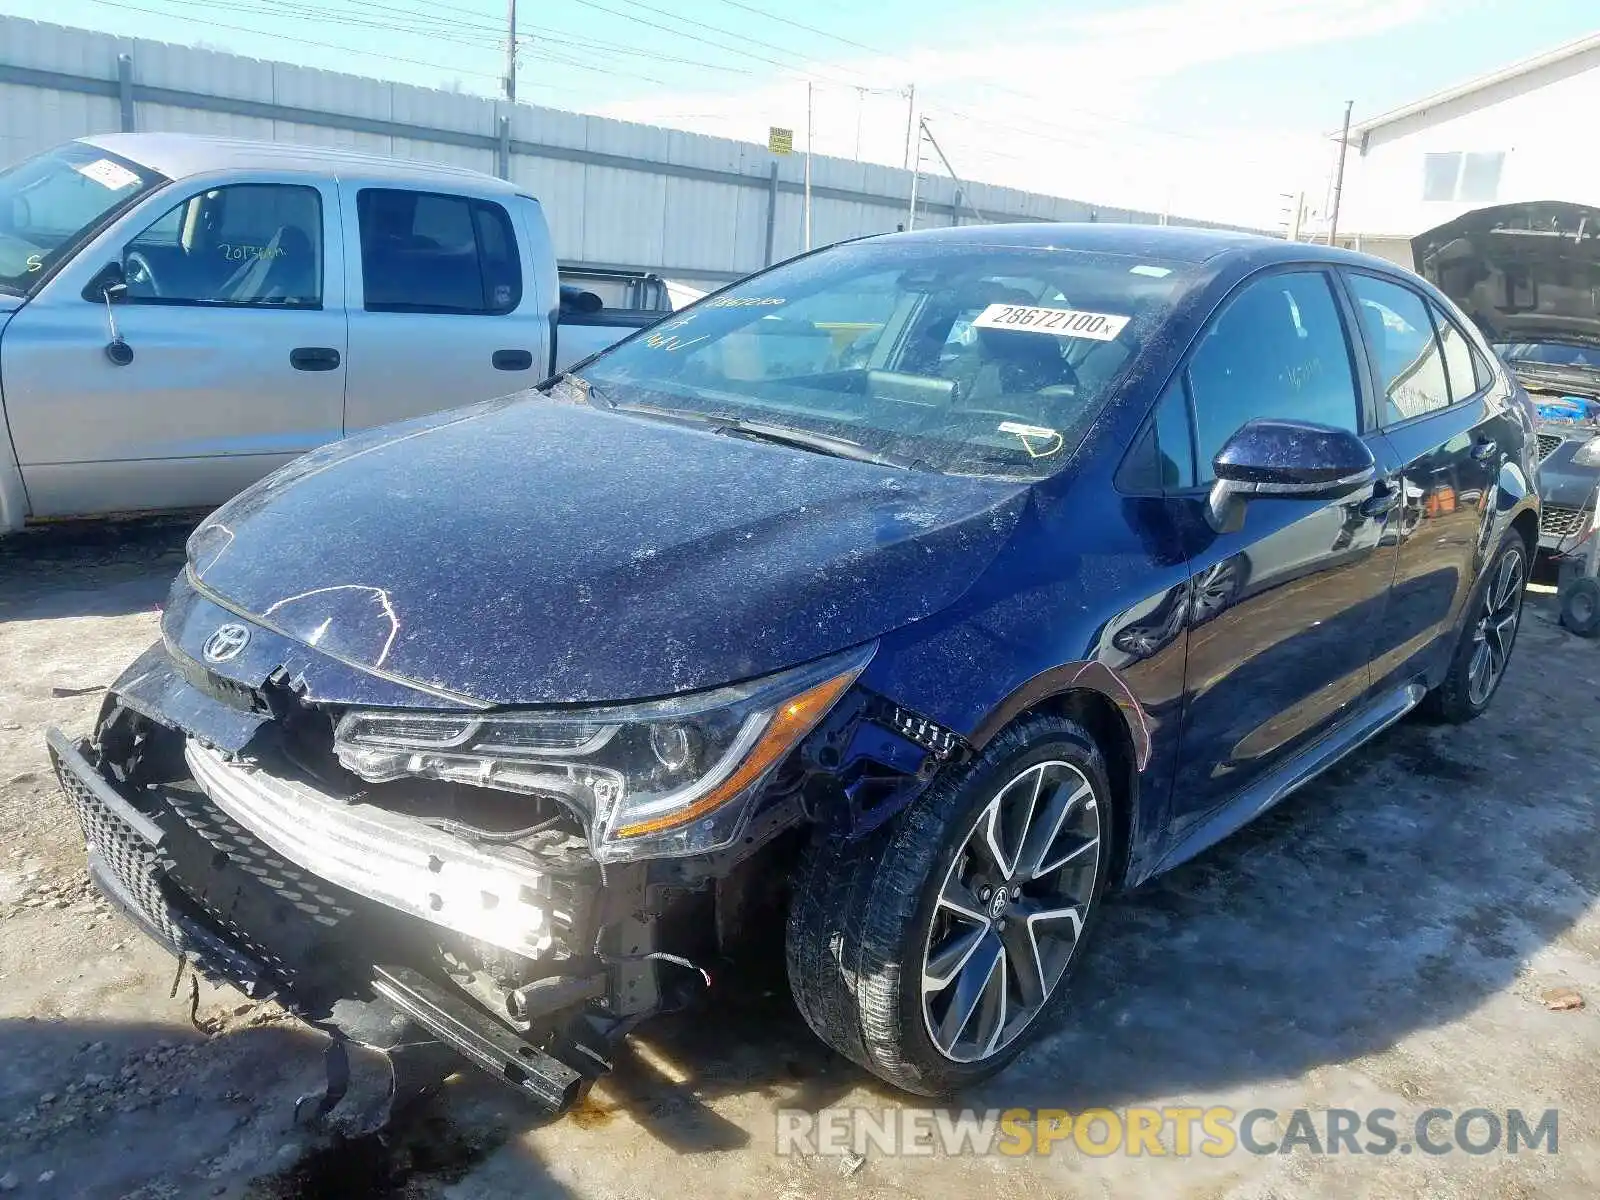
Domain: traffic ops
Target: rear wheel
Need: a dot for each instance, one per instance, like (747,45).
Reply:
(1484,649)
(931,952)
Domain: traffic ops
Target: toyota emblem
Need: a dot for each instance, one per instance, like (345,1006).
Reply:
(226,642)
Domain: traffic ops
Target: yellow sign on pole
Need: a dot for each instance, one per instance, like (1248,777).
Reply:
(780,141)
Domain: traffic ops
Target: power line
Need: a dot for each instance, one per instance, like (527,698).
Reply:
(1056,134)
(579,43)
(667,29)
(293,11)
(416,62)
(998,87)
(771,16)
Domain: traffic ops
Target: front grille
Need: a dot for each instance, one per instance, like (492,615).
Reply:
(131,867)
(1557,520)
(121,848)
(1548,442)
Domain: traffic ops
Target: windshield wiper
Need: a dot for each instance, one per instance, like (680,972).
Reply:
(584,388)
(819,443)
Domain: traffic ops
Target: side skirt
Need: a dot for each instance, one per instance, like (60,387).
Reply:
(1305,766)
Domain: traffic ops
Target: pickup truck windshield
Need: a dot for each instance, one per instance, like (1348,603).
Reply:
(52,203)
(963,358)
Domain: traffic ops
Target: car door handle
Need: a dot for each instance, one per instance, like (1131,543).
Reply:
(1485,449)
(1383,501)
(512,360)
(314,358)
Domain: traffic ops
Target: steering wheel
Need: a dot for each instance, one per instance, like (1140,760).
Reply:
(138,273)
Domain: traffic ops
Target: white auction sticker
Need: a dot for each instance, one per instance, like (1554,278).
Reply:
(1062,322)
(107,174)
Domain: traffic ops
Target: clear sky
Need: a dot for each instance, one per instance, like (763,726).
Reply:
(1205,107)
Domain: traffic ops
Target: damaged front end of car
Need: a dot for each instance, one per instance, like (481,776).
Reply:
(435,879)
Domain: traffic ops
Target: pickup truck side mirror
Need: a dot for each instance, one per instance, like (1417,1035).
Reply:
(111,285)
(108,285)
(1268,457)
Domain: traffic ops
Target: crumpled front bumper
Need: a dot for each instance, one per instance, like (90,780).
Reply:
(131,856)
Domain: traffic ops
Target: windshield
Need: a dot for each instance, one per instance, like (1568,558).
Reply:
(1550,354)
(967,359)
(52,203)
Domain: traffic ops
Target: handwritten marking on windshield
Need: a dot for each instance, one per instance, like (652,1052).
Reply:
(1030,435)
(747,302)
(672,343)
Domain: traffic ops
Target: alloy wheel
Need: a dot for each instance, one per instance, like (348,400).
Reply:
(1011,911)
(1496,629)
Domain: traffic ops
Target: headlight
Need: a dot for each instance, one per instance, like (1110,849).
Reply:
(662,778)
(1588,454)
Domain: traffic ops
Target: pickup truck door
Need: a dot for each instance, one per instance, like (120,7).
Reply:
(447,301)
(234,316)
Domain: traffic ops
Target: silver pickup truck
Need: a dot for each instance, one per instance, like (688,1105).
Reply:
(180,315)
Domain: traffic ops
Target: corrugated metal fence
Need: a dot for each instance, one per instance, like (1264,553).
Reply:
(616,194)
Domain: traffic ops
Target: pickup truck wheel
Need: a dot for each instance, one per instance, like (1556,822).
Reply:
(1483,650)
(932,950)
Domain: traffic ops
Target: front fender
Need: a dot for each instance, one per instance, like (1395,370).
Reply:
(13,497)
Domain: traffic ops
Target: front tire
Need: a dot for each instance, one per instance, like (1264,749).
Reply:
(932,951)
(1483,651)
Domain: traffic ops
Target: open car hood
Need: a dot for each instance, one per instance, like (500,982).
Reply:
(1524,272)
(533,552)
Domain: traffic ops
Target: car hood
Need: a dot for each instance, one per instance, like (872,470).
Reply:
(1523,272)
(531,551)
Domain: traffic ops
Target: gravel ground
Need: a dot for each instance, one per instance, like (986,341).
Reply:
(1392,936)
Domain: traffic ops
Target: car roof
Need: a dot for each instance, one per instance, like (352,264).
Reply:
(1174,242)
(177,155)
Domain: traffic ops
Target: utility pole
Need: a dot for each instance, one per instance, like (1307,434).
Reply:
(511,51)
(911,113)
(861,101)
(808,167)
(916,176)
(1338,175)
(934,142)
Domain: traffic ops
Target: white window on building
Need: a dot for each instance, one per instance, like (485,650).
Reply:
(1473,178)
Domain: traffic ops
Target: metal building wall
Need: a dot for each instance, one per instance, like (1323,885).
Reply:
(615,193)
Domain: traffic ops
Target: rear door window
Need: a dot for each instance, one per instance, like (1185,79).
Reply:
(437,253)
(1460,368)
(1278,349)
(1411,362)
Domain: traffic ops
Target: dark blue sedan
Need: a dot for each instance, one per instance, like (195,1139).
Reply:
(906,596)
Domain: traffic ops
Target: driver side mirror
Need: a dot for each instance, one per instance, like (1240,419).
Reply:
(109,284)
(1292,459)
